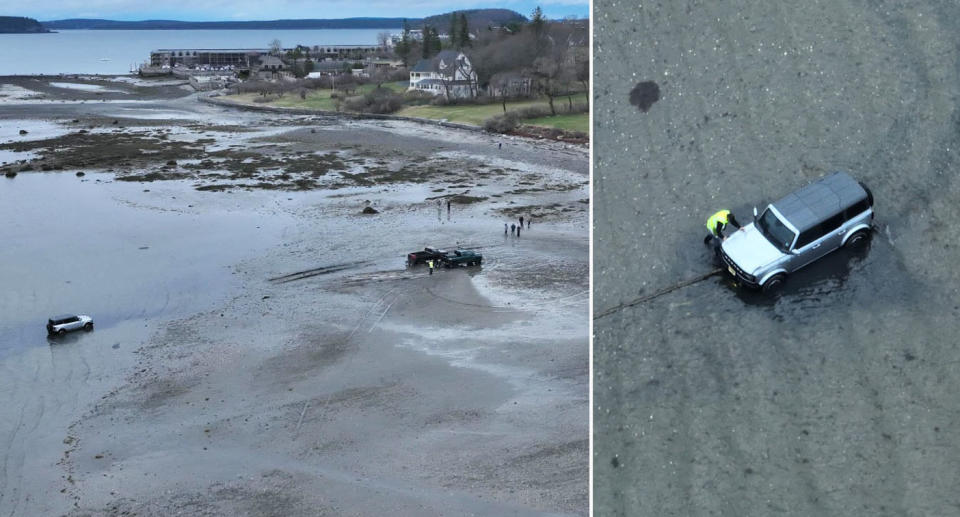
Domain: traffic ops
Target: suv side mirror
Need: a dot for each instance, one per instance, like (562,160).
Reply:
(754,213)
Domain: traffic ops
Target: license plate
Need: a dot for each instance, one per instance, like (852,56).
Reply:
(732,272)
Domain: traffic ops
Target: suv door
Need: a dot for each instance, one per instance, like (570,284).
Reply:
(819,240)
(806,249)
(834,229)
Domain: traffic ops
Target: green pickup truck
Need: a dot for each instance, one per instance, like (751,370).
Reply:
(462,258)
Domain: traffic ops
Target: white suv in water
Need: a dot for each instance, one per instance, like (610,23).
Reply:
(799,229)
(60,325)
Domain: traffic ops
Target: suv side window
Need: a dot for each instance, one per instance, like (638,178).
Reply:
(833,223)
(856,209)
(808,236)
(820,230)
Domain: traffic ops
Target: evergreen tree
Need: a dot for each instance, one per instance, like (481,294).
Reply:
(427,46)
(464,32)
(436,42)
(537,21)
(454,33)
(403,47)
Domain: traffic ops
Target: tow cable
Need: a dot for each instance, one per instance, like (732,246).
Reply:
(661,292)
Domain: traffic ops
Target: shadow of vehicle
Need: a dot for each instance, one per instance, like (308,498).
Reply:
(65,339)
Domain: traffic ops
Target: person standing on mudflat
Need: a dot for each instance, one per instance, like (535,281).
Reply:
(504,228)
(513,228)
(521,221)
(518,230)
(529,219)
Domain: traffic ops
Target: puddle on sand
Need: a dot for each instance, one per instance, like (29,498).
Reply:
(155,114)
(86,87)
(117,253)
(843,278)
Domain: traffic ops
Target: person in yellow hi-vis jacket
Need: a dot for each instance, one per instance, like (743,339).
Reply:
(716,223)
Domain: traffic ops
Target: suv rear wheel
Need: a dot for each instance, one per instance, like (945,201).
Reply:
(774,283)
(858,239)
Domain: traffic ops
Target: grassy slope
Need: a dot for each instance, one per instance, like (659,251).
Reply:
(576,122)
(466,114)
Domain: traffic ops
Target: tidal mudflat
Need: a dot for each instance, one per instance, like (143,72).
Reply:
(260,343)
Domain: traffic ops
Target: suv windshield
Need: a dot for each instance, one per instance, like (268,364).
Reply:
(775,231)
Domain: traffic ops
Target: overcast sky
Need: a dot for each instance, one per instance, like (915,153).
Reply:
(210,10)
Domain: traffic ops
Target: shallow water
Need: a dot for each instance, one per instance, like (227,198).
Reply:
(115,252)
(116,51)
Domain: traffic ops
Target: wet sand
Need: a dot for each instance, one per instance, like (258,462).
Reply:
(362,388)
(837,397)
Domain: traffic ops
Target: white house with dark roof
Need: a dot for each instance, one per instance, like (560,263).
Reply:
(449,73)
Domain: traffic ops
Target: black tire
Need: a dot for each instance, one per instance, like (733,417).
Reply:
(774,283)
(61,332)
(88,327)
(858,239)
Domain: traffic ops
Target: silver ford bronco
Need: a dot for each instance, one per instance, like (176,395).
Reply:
(60,325)
(798,229)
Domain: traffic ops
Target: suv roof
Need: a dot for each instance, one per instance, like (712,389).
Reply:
(821,200)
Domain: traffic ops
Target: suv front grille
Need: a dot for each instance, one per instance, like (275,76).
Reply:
(739,273)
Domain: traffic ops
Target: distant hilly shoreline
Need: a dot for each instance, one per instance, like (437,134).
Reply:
(21,25)
(477,18)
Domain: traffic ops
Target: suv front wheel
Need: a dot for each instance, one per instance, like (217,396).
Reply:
(774,283)
(88,326)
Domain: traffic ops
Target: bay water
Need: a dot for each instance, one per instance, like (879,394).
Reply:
(119,51)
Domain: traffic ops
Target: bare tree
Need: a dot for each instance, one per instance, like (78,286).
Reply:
(499,85)
(499,52)
(552,75)
(464,71)
(581,65)
(383,39)
(276,47)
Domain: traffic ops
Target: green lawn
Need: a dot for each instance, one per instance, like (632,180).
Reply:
(474,114)
(575,122)
(466,114)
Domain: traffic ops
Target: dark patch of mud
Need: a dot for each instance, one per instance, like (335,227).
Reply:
(644,95)
(83,149)
(545,212)
(460,199)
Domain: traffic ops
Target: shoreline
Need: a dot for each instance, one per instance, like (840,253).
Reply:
(563,136)
(534,133)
